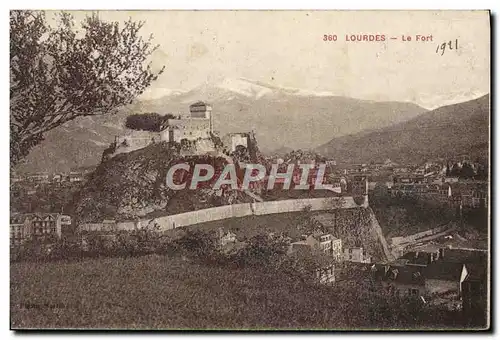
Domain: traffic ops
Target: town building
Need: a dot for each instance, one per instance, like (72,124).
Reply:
(356,254)
(468,194)
(20,229)
(75,177)
(323,243)
(39,227)
(39,177)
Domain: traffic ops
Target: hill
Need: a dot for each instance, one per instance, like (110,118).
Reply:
(441,133)
(294,118)
(132,185)
(75,144)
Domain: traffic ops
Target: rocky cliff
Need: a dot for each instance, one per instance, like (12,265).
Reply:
(133,185)
(127,185)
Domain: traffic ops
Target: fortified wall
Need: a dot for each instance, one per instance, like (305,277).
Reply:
(230,211)
(246,209)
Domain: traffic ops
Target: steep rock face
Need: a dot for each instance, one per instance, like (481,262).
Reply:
(133,185)
(127,185)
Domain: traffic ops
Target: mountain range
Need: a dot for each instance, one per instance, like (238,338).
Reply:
(446,132)
(281,118)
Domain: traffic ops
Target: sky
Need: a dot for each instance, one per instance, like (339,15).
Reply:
(286,48)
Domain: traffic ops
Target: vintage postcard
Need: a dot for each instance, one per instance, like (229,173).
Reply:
(250,170)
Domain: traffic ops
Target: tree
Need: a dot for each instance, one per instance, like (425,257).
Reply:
(147,121)
(467,171)
(263,250)
(60,73)
(241,154)
(455,170)
(197,244)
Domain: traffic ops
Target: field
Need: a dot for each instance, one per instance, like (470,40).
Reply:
(157,292)
(148,292)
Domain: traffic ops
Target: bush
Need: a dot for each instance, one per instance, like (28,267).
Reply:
(262,250)
(148,121)
(197,245)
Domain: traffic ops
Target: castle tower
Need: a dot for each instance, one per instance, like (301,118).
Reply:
(202,110)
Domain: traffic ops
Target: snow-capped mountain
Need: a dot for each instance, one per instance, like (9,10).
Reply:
(231,89)
(245,88)
(432,101)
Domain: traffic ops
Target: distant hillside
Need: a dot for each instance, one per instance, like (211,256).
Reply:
(75,144)
(444,132)
(293,118)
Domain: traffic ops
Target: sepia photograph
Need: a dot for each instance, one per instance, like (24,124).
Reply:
(250,170)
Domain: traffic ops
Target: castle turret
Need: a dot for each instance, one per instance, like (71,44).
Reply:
(202,110)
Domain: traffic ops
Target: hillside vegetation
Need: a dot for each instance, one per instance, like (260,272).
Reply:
(445,132)
(351,225)
(159,292)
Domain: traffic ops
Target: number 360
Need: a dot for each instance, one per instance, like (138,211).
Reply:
(330,37)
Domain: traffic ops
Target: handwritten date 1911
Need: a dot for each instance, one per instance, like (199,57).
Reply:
(450,45)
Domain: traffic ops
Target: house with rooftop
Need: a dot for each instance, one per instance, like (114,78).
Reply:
(324,243)
(40,227)
(356,254)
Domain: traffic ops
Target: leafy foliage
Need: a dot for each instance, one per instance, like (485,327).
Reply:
(263,251)
(241,154)
(465,171)
(197,244)
(147,121)
(60,73)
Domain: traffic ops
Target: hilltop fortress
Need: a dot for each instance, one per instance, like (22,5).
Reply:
(193,131)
